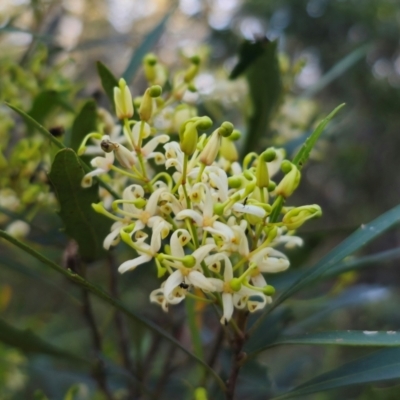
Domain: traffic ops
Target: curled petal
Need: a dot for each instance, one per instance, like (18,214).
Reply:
(197,279)
(151,145)
(202,252)
(132,264)
(227,303)
(249,209)
(174,280)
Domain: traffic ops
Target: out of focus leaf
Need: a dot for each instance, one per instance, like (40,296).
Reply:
(339,338)
(380,366)
(28,342)
(99,293)
(39,395)
(85,122)
(81,222)
(337,70)
(108,81)
(147,44)
(353,243)
(45,102)
(304,153)
(259,61)
(55,141)
(387,393)
(72,391)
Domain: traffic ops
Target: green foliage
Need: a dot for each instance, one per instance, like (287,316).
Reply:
(81,222)
(108,81)
(28,342)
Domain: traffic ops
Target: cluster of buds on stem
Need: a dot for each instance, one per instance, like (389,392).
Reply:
(204,220)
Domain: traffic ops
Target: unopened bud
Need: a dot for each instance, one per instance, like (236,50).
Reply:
(125,157)
(296,217)
(228,149)
(210,151)
(146,106)
(289,182)
(236,135)
(226,129)
(262,175)
(269,155)
(155,91)
(234,182)
(268,290)
(123,100)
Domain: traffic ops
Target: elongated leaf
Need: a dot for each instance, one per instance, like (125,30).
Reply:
(304,152)
(117,304)
(45,102)
(147,45)
(353,243)
(60,145)
(81,222)
(108,81)
(28,342)
(380,366)
(337,70)
(84,123)
(339,338)
(265,89)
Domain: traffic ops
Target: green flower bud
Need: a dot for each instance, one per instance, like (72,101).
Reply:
(150,59)
(236,135)
(149,63)
(289,182)
(219,208)
(235,284)
(228,149)
(204,123)
(268,290)
(189,261)
(296,217)
(234,182)
(269,155)
(286,166)
(271,186)
(123,100)
(189,138)
(262,175)
(155,91)
(146,106)
(226,129)
(211,149)
(200,393)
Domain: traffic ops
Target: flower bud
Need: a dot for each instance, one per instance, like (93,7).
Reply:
(262,175)
(123,100)
(296,217)
(268,290)
(125,157)
(210,151)
(226,129)
(236,135)
(155,91)
(228,149)
(289,182)
(189,138)
(269,155)
(193,70)
(146,106)
(149,63)
(234,182)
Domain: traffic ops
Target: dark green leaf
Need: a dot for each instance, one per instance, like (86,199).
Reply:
(84,123)
(353,243)
(304,153)
(379,366)
(81,222)
(117,304)
(339,338)
(45,102)
(60,145)
(378,393)
(147,45)
(28,342)
(265,90)
(108,81)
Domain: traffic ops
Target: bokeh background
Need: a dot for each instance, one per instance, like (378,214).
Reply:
(351,54)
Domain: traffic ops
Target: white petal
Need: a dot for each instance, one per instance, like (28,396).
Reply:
(202,252)
(227,303)
(172,282)
(197,279)
(132,264)
(151,145)
(258,280)
(151,206)
(217,283)
(195,216)
(111,237)
(221,229)
(176,247)
(249,209)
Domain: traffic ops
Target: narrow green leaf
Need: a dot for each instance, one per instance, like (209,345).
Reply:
(337,70)
(353,243)
(28,342)
(31,121)
(85,122)
(108,81)
(379,366)
(72,392)
(81,222)
(265,90)
(45,102)
(56,142)
(338,338)
(117,304)
(147,45)
(304,153)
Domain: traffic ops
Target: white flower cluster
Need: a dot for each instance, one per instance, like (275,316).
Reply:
(189,206)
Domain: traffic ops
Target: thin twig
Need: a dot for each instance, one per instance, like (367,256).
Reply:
(71,260)
(122,333)
(238,355)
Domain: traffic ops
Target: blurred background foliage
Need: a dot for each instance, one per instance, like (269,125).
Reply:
(330,51)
